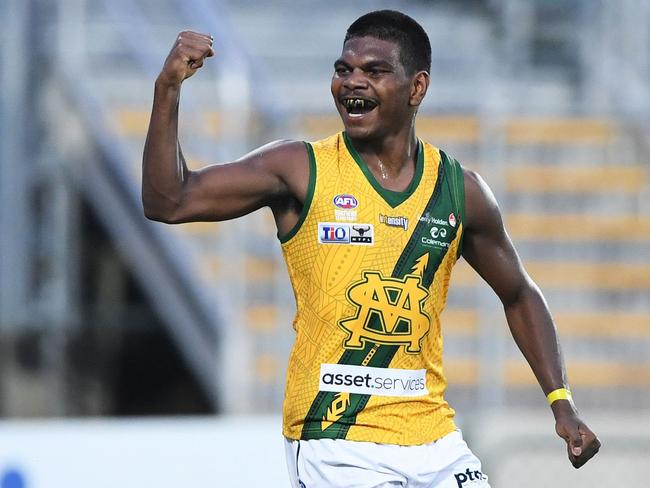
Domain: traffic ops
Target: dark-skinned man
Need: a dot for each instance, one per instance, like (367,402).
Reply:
(371,222)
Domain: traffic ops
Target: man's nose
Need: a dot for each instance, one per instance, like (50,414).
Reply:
(356,79)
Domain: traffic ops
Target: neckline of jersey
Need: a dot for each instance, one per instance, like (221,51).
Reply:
(392,198)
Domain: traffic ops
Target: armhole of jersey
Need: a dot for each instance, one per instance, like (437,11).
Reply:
(311,187)
(457,181)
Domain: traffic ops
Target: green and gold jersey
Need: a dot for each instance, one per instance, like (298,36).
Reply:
(370,270)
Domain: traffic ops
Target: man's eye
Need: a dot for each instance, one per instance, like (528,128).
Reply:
(340,70)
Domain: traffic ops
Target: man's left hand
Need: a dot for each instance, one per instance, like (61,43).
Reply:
(582,443)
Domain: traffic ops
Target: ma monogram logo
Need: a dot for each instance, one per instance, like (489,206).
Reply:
(388,311)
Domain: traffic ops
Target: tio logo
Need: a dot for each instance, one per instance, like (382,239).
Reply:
(331,233)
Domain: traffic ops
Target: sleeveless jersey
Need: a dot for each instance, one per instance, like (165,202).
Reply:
(370,270)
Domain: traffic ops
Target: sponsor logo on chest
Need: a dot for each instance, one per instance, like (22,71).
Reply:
(345,201)
(340,233)
(345,204)
(394,221)
(439,232)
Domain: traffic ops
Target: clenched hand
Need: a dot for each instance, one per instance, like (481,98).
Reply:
(186,57)
(582,443)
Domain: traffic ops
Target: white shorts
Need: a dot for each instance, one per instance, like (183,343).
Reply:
(336,463)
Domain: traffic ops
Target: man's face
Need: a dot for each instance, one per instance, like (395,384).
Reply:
(371,89)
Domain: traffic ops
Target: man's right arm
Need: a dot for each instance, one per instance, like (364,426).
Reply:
(172,193)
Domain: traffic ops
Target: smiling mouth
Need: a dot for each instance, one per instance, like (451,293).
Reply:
(357,107)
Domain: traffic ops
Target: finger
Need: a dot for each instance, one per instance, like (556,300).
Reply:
(590,442)
(196,64)
(575,441)
(591,445)
(581,460)
(193,55)
(589,449)
(200,49)
(188,34)
(194,40)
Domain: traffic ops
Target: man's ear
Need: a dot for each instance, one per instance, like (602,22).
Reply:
(419,87)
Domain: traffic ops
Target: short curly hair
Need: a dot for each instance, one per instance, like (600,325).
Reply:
(394,26)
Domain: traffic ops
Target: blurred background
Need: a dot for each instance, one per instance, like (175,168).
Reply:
(134,353)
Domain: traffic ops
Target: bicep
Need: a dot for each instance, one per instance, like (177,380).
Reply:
(486,245)
(226,191)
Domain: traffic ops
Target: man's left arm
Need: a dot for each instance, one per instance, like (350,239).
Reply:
(489,250)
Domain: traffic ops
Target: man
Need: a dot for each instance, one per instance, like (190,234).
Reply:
(371,222)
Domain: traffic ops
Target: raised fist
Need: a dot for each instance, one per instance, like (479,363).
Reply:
(186,56)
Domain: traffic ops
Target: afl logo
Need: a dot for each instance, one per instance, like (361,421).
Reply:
(345,201)
(452,220)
